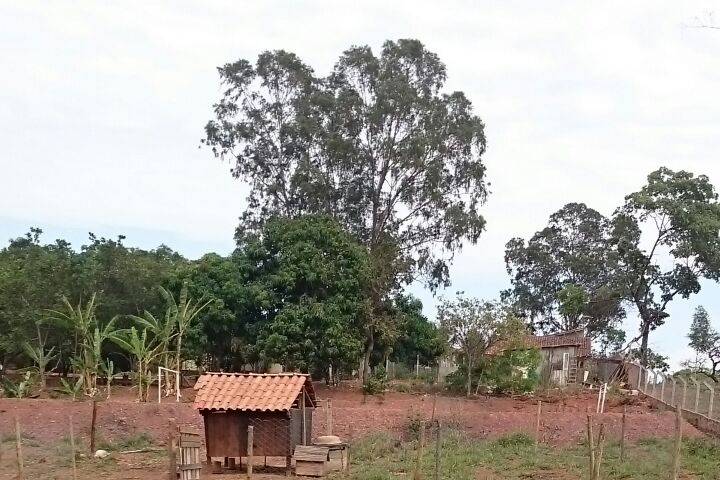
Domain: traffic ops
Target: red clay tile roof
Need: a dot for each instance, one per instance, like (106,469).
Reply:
(250,391)
(565,339)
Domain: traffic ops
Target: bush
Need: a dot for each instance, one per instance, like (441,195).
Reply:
(512,372)
(376,383)
(518,439)
(22,388)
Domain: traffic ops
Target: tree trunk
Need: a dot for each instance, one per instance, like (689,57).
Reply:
(469,377)
(369,345)
(644,344)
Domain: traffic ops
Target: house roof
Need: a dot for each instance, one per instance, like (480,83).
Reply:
(262,392)
(573,338)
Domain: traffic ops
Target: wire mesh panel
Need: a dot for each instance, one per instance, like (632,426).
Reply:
(272,435)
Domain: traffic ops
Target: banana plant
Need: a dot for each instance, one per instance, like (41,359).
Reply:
(185,313)
(144,351)
(90,337)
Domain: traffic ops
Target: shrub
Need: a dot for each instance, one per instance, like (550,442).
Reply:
(22,388)
(376,383)
(518,439)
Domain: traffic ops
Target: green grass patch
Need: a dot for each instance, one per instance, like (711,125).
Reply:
(514,456)
(133,442)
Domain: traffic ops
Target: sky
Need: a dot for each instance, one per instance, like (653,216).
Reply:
(102,108)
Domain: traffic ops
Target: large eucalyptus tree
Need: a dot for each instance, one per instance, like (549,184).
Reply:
(378,144)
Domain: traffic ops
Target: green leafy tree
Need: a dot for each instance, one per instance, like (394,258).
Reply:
(310,281)
(33,279)
(472,326)
(377,144)
(125,277)
(561,278)
(705,340)
(416,335)
(677,215)
(224,333)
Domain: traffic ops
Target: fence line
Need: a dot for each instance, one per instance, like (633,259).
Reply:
(691,395)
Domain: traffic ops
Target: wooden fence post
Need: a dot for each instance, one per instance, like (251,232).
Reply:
(72,450)
(18,450)
(172,456)
(250,440)
(93,420)
(328,417)
(537,425)
(599,451)
(622,434)
(417,475)
(591,446)
(678,444)
(437,451)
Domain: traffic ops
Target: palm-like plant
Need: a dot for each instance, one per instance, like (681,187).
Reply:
(144,352)
(185,313)
(163,330)
(41,358)
(89,339)
(169,330)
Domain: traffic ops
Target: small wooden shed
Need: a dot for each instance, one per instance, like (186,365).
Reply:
(278,406)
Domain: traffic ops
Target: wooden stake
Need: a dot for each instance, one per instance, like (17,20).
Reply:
(92,427)
(432,417)
(328,417)
(678,444)
(537,425)
(622,434)
(591,446)
(172,456)
(72,450)
(18,450)
(421,446)
(304,418)
(599,451)
(437,451)
(250,439)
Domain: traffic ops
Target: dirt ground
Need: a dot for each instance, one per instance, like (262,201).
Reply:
(45,425)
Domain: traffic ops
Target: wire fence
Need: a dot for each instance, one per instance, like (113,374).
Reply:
(694,395)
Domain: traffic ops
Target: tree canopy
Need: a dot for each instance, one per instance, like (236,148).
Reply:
(560,277)
(583,269)
(376,144)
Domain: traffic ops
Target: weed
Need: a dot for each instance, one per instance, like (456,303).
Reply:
(134,442)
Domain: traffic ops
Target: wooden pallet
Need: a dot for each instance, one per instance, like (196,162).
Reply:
(189,462)
(311,461)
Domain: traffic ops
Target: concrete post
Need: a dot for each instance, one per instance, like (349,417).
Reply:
(712,399)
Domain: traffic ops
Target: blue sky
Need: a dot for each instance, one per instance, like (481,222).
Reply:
(102,107)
